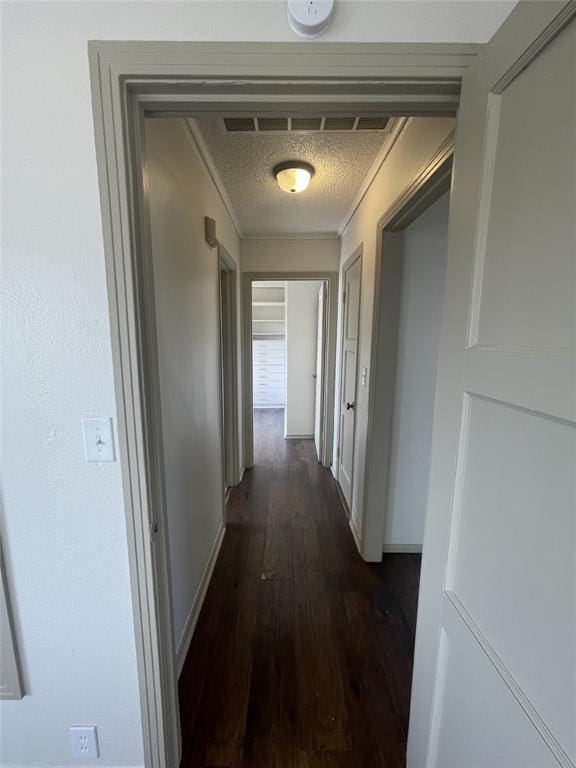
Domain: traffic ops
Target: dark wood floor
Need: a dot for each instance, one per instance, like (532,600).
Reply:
(302,656)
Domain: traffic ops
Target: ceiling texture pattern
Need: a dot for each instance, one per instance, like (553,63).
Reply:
(244,160)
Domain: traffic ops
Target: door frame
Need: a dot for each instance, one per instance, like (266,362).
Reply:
(128,81)
(357,254)
(227,272)
(330,279)
(431,183)
(323,416)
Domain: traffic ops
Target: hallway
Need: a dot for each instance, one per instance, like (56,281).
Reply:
(302,656)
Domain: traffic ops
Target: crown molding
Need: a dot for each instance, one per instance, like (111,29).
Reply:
(398,125)
(197,140)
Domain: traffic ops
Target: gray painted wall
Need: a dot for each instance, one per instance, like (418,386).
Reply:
(424,267)
(186,289)
(301,333)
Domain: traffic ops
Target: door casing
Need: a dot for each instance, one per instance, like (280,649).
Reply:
(229,357)
(128,81)
(319,386)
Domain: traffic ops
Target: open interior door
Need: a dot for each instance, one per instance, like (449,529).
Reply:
(349,371)
(495,667)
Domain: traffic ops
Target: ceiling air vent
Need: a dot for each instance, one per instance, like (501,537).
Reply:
(339,123)
(272,123)
(371,123)
(306,123)
(237,124)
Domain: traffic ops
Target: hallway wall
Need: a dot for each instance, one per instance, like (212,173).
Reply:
(425,245)
(187,315)
(270,255)
(417,144)
(301,334)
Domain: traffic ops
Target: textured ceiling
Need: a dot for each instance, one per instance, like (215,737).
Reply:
(244,162)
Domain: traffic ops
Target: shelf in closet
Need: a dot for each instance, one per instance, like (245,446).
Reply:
(268,335)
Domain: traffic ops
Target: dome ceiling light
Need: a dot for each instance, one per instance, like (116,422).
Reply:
(293,176)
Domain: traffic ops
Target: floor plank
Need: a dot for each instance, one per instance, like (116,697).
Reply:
(302,655)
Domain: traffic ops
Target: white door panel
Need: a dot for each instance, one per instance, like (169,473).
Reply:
(348,377)
(495,665)
(481,724)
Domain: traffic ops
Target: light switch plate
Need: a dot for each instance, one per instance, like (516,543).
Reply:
(98,439)
(84,741)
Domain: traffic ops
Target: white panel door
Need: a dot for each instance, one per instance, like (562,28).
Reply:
(318,375)
(350,328)
(495,668)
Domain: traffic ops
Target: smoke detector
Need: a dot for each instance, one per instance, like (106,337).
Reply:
(310,18)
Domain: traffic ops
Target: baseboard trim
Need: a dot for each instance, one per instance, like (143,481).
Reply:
(298,437)
(190,626)
(402,548)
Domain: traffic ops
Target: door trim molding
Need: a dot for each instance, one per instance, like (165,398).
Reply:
(129,80)
(231,432)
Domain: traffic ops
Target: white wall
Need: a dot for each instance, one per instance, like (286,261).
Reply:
(63,519)
(301,333)
(269,255)
(418,143)
(187,314)
(424,266)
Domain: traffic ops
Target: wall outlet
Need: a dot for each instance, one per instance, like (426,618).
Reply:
(84,740)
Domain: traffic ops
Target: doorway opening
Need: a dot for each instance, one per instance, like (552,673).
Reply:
(228,290)
(133,278)
(289,348)
(289,338)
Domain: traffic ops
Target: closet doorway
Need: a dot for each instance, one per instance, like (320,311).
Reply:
(287,358)
(290,324)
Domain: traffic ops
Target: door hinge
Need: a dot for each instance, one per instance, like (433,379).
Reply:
(344,296)
(154,528)
(338,452)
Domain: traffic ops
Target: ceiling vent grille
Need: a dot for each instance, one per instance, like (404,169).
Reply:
(371,123)
(339,123)
(312,123)
(239,124)
(272,123)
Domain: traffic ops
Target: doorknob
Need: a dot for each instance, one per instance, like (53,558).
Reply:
(350,406)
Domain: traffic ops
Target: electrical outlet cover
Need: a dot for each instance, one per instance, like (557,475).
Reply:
(84,741)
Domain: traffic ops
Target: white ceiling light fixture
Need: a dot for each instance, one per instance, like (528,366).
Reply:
(310,18)
(293,176)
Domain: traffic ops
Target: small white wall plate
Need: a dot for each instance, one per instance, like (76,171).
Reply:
(310,18)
